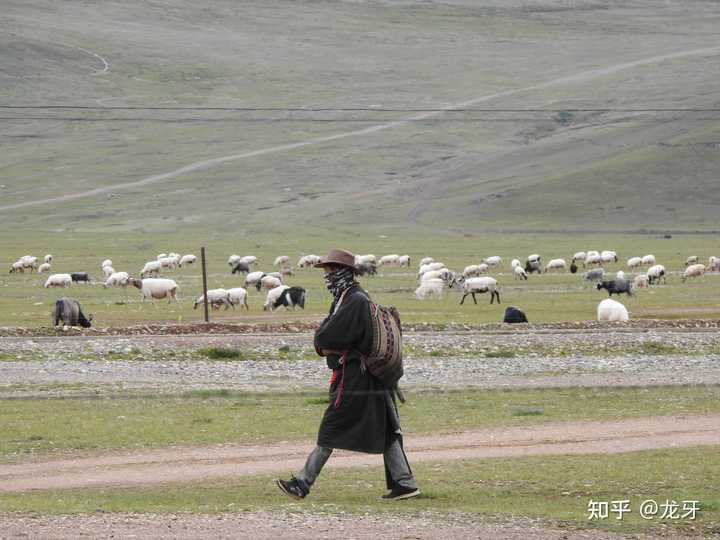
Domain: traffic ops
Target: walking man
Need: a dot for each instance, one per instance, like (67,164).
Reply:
(362,415)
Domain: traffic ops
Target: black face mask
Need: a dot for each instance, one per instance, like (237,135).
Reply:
(339,280)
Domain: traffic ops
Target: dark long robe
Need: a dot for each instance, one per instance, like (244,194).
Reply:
(364,420)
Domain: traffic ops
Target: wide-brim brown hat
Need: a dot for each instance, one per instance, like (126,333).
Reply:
(338,256)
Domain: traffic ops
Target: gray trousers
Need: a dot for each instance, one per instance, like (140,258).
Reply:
(397,468)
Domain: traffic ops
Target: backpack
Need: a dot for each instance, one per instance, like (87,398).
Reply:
(384,360)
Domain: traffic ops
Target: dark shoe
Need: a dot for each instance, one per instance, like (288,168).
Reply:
(400,493)
(292,487)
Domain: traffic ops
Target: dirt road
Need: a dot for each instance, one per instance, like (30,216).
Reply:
(225,461)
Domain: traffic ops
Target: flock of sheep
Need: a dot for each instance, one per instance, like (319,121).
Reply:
(433,277)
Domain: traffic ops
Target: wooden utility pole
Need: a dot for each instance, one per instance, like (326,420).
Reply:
(204,274)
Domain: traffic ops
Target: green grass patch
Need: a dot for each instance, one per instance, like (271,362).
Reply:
(657,348)
(219,416)
(221,353)
(555,489)
(500,353)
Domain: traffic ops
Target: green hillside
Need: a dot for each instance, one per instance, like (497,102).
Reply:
(285,116)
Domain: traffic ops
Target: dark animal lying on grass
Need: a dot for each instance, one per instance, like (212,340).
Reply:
(77,277)
(616,286)
(514,315)
(68,311)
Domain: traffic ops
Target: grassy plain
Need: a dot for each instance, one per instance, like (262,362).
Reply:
(127,420)
(548,297)
(555,489)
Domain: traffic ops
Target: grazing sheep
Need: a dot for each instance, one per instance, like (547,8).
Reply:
(151,268)
(431,287)
(573,268)
(515,263)
(555,264)
(249,259)
(268,282)
(233,260)
(532,266)
(307,261)
(359,259)
(44,267)
(480,285)
(240,268)
(161,256)
(58,280)
(79,277)
(648,260)
(513,315)
(117,279)
(106,262)
(612,311)
(155,288)
(253,277)
(70,313)
(713,264)
(593,258)
(17,266)
(641,281)
(170,263)
(404,260)
(426,260)
(215,298)
(238,297)
(281,260)
(694,270)
(430,267)
(47,259)
(596,274)
(493,261)
(634,262)
(616,286)
(368,268)
(619,274)
(474,270)
(656,273)
(520,273)
(108,271)
(608,256)
(391,260)
(579,257)
(272,297)
(291,297)
(443,274)
(187,259)
(692,259)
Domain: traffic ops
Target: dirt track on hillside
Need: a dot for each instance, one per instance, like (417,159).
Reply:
(163,466)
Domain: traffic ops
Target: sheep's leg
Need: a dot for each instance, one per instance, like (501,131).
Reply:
(474,299)
(463,298)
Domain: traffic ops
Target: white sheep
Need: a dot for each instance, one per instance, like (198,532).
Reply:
(117,279)
(44,267)
(579,257)
(634,262)
(648,260)
(641,281)
(404,260)
(443,274)
(656,273)
(307,261)
(608,256)
(249,259)
(106,262)
(430,287)
(238,297)
(151,267)
(493,261)
(47,259)
(361,259)
(425,260)
(555,264)
(168,262)
(694,270)
(515,263)
(108,271)
(619,274)
(233,260)
(713,264)
(253,277)
(215,298)
(58,280)
(272,296)
(475,270)
(282,260)
(593,258)
(161,256)
(156,288)
(612,311)
(268,282)
(391,260)
(187,259)
(480,285)
(692,259)
(520,273)
(430,267)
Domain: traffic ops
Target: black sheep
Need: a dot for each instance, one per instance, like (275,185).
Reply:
(514,315)
(616,286)
(77,277)
(294,296)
